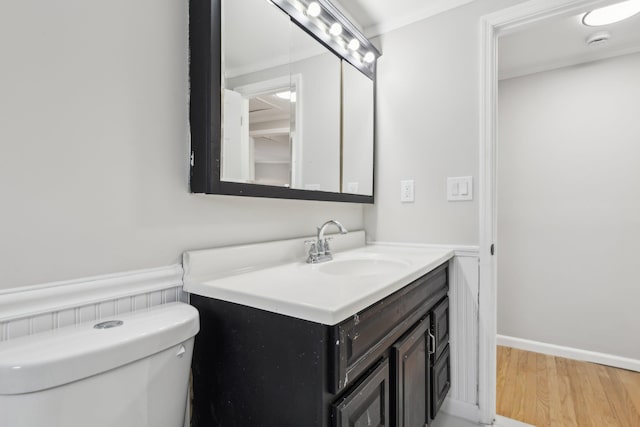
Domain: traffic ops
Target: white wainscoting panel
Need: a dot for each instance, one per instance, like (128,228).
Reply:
(34,309)
(463,338)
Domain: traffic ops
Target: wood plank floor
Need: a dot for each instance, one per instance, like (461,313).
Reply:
(552,391)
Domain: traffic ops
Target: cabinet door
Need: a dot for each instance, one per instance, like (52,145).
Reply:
(410,368)
(440,321)
(441,381)
(368,403)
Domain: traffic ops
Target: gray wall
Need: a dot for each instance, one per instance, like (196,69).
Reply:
(94,144)
(569,206)
(427,127)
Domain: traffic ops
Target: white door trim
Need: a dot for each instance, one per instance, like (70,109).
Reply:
(491,27)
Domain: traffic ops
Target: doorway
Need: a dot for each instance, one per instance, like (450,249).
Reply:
(492,27)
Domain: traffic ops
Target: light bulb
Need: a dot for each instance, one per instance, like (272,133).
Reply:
(354,44)
(336,29)
(611,14)
(369,57)
(314,9)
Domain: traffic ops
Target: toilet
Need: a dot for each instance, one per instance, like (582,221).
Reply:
(131,370)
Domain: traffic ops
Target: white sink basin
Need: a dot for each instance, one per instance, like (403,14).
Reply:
(362,266)
(274,276)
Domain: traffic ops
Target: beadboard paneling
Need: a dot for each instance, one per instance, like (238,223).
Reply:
(31,310)
(463,295)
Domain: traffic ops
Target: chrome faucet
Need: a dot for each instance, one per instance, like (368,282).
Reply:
(319,250)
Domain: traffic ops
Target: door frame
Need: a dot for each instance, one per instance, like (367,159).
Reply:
(492,26)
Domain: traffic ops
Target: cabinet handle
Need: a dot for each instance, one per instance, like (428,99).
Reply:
(432,344)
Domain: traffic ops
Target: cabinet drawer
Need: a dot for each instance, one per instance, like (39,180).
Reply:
(362,340)
(440,327)
(440,381)
(368,403)
(410,378)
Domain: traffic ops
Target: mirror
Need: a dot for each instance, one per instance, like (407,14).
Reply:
(357,132)
(318,100)
(256,115)
(291,118)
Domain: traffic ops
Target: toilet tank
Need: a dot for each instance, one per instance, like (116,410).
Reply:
(132,372)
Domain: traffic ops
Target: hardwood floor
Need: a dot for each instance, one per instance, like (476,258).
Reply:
(551,391)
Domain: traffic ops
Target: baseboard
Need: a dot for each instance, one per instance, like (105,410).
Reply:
(509,422)
(570,353)
(461,409)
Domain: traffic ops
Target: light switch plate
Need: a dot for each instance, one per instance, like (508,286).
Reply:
(460,188)
(406,191)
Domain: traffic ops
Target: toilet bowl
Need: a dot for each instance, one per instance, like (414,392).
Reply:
(129,371)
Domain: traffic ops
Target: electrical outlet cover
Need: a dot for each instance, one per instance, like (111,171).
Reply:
(406,191)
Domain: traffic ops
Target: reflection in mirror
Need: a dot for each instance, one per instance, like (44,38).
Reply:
(269,120)
(256,113)
(316,72)
(357,133)
(281,111)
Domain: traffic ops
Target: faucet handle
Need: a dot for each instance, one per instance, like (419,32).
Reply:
(312,245)
(313,251)
(327,250)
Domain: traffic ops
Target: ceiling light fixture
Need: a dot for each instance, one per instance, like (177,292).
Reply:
(327,24)
(369,57)
(336,29)
(314,9)
(611,14)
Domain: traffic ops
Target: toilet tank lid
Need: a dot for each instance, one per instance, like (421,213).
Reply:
(50,359)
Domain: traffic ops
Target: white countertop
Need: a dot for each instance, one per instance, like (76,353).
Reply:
(315,292)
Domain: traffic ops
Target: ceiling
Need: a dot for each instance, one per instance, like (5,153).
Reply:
(553,43)
(561,42)
(376,17)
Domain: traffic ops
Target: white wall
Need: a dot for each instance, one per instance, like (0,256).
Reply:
(427,126)
(94,146)
(569,207)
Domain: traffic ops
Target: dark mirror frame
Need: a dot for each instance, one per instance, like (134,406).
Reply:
(205,115)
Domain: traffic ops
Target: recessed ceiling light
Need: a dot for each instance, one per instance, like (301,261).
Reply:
(291,96)
(314,9)
(611,14)
(336,29)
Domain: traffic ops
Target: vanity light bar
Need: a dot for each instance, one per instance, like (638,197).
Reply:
(326,23)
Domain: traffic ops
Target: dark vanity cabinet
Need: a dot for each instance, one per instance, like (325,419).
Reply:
(441,365)
(387,365)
